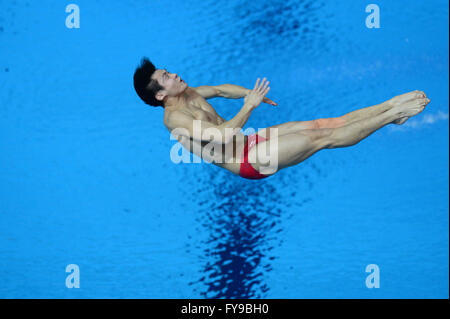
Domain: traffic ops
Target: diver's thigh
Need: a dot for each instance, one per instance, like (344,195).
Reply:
(286,150)
(287,128)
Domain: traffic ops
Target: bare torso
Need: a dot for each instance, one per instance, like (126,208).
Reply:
(199,109)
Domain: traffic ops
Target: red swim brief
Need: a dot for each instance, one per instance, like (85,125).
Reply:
(247,170)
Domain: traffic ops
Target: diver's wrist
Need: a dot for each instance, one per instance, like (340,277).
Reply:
(249,106)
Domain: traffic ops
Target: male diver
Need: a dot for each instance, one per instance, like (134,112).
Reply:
(186,110)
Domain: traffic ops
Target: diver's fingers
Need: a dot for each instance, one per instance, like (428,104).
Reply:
(256,84)
(261,85)
(265,86)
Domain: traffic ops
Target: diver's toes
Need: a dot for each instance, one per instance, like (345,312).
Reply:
(419,93)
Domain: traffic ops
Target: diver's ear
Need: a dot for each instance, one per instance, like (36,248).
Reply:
(160,95)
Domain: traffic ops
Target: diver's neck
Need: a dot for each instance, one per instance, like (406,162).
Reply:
(176,102)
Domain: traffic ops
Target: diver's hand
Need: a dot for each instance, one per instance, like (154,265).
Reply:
(256,96)
(266,100)
(269,101)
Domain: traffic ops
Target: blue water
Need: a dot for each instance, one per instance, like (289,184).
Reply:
(86,177)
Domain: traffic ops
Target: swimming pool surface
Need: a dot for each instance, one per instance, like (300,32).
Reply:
(86,177)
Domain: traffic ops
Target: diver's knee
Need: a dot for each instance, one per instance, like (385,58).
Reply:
(333,122)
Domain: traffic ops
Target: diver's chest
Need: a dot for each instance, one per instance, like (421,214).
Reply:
(203,112)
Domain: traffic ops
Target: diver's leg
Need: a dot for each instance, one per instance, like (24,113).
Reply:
(353,133)
(383,107)
(294,148)
(335,122)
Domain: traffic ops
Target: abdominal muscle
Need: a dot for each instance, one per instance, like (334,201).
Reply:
(227,156)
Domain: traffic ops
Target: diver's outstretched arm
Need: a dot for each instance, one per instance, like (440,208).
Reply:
(229,91)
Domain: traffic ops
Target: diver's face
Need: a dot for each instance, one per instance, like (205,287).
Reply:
(173,85)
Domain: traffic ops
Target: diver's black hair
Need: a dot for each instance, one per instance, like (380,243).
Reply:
(145,87)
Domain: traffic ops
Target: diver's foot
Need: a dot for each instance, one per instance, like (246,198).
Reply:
(403,98)
(401,120)
(409,109)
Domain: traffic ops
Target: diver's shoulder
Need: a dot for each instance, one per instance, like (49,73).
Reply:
(174,114)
